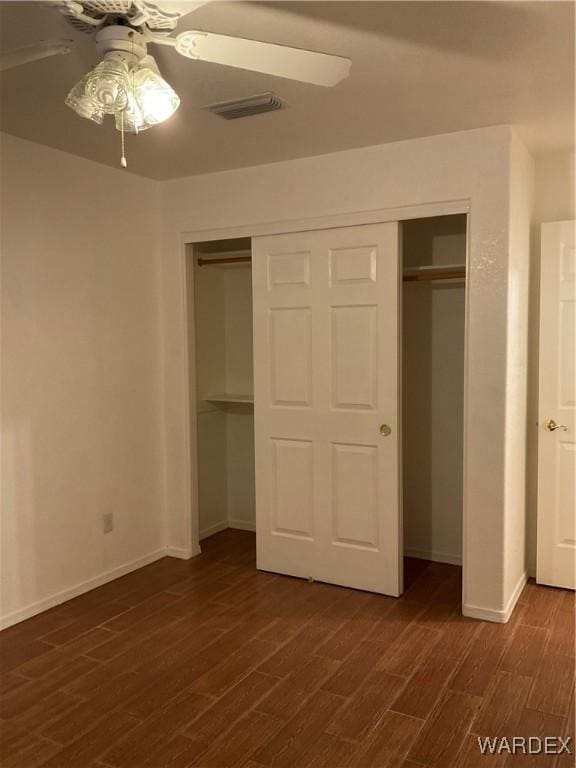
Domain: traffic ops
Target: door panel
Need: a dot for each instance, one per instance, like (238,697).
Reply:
(290,269)
(354,486)
(354,333)
(292,477)
(326,307)
(557,448)
(290,356)
(352,265)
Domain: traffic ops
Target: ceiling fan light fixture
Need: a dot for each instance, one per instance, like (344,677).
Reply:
(133,91)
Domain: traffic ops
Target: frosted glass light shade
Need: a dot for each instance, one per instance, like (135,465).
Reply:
(109,86)
(82,104)
(105,90)
(156,100)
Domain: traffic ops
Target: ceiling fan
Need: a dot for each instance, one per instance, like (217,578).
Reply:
(127,83)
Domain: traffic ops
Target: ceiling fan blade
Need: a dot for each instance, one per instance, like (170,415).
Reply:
(181,7)
(268,58)
(34,52)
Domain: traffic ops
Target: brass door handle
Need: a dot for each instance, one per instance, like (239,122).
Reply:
(551,426)
(385,430)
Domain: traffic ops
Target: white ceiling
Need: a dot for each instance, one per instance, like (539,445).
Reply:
(419,68)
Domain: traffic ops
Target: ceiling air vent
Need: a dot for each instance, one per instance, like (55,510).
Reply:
(252,105)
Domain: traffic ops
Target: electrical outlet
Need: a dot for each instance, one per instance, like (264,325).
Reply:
(108,522)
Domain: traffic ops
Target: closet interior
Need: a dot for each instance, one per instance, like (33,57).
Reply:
(224,401)
(433,315)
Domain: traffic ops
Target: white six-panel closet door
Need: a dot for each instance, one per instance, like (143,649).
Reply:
(327,411)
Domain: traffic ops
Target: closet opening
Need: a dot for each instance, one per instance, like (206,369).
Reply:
(433,255)
(220,323)
(433,346)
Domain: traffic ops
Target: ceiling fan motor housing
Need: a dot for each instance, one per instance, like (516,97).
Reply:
(123,40)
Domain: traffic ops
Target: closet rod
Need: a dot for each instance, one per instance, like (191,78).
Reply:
(439,274)
(222,260)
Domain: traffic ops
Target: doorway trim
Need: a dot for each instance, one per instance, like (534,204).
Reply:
(357,218)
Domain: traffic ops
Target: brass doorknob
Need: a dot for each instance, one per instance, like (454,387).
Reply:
(385,430)
(551,426)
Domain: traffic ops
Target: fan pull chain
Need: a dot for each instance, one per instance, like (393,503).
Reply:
(133,87)
(123,162)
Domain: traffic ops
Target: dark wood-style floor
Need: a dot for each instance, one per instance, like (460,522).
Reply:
(209,663)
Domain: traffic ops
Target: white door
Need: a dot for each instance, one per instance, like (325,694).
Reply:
(557,406)
(326,308)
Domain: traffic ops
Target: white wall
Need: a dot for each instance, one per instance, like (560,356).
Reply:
(555,193)
(80,375)
(222,317)
(555,189)
(433,315)
(240,379)
(472,165)
(238,308)
(521,213)
(208,317)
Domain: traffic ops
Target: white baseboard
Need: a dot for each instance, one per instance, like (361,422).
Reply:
(212,529)
(495,615)
(436,557)
(242,525)
(182,553)
(79,589)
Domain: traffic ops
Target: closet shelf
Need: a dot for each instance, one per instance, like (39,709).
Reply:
(435,272)
(225,397)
